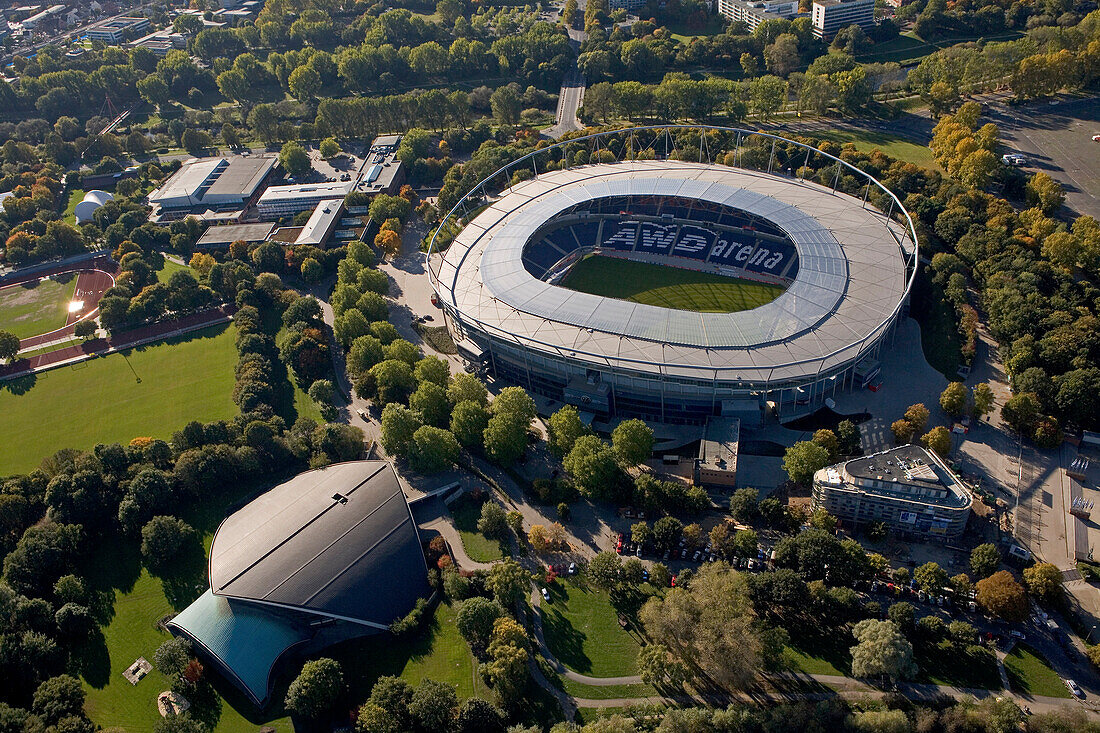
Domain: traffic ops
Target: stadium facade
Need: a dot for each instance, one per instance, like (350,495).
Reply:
(847,268)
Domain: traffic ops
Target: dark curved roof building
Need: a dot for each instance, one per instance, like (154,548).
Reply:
(330,555)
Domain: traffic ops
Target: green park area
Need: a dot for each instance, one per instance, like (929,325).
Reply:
(583,632)
(133,632)
(169,269)
(435,651)
(76,195)
(893,145)
(668,287)
(147,391)
(466,511)
(1030,674)
(36,307)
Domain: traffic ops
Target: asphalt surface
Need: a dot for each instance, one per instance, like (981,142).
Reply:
(1056,137)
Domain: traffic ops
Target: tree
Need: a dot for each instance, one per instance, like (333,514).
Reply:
(605,570)
(1045,193)
(803,459)
(658,667)
(508,581)
(162,541)
(178,724)
(881,651)
(393,380)
(392,695)
(666,532)
(316,689)
(9,345)
(641,533)
(1044,582)
(172,657)
(84,329)
(492,522)
(468,422)
(767,94)
(744,505)
(467,388)
(58,698)
(432,706)
(781,56)
(565,427)
(430,401)
(745,542)
(930,577)
(983,399)
(294,159)
(399,424)
(903,615)
(828,440)
(903,431)
(938,439)
(475,620)
(984,560)
(433,449)
(709,625)
(329,148)
(1022,412)
(953,399)
(917,415)
(821,519)
(505,438)
(1002,596)
(506,104)
(632,441)
(592,464)
(476,715)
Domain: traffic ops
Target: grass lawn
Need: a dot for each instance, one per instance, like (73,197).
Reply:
(958,671)
(148,391)
(582,630)
(34,308)
(480,548)
(436,652)
(814,661)
(169,267)
(907,47)
(685,33)
(76,195)
(668,287)
(607,692)
(1029,673)
(112,701)
(939,326)
(893,145)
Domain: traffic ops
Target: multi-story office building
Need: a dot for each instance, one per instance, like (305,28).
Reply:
(755,12)
(116,30)
(829,16)
(909,488)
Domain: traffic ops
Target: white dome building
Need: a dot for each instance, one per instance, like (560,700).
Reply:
(87,207)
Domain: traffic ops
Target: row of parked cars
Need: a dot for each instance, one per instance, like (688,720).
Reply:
(936,599)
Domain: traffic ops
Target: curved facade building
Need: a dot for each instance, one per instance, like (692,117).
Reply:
(330,555)
(845,267)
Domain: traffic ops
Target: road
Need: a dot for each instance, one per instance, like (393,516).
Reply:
(70,32)
(572,91)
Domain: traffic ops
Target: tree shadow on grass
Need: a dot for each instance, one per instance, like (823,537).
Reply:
(566,643)
(185,580)
(19,385)
(92,660)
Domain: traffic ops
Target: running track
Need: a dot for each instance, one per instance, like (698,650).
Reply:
(124,340)
(93,280)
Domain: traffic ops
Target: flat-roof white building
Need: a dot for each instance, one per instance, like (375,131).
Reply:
(116,30)
(321,223)
(216,184)
(280,201)
(755,12)
(829,16)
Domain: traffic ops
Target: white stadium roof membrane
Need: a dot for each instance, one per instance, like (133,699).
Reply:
(851,280)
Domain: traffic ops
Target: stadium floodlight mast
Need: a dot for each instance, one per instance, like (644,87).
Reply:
(627,144)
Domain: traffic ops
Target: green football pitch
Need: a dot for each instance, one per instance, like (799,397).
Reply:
(38,307)
(667,287)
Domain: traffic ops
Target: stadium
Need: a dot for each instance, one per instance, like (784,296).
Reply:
(649,281)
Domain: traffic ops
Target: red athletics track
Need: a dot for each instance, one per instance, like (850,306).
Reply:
(123,340)
(94,278)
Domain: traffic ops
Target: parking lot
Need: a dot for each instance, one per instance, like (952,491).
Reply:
(1056,137)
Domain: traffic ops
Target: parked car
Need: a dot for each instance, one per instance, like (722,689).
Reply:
(1074,689)
(545,595)
(1017,634)
(572,568)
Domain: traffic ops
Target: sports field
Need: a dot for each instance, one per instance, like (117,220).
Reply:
(668,287)
(151,390)
(34,308)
